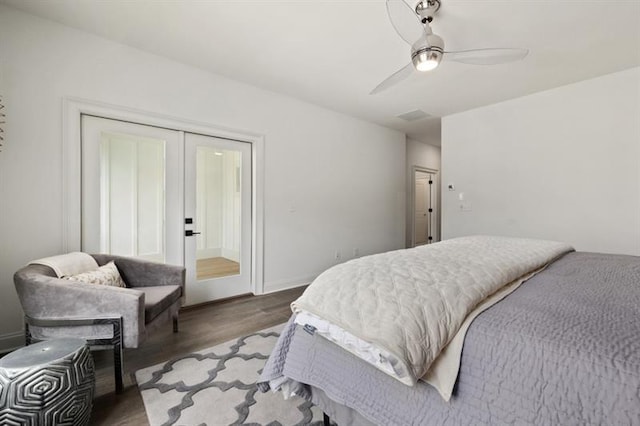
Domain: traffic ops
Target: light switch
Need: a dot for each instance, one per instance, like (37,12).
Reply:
(465,207)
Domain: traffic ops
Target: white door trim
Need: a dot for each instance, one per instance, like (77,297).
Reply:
(73,108)
(412,195)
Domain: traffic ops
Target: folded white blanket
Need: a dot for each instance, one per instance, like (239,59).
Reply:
(68,264)
(411,303)
(443,372)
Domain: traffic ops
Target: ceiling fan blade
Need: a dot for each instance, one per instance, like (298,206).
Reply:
(405,21)
(394,78)
(486,56)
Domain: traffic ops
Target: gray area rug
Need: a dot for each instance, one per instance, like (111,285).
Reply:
(217,386)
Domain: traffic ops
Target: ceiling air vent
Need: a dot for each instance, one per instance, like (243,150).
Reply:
(417,114)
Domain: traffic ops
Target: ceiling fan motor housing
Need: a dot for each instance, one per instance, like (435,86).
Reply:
(427,54)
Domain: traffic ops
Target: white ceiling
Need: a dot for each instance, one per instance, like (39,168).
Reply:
(333,52)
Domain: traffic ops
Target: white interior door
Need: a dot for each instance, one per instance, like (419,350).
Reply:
(217,227)
(421,212)
(425,208)
(131,190)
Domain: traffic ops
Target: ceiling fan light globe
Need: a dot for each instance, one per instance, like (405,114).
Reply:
(427,60)
(427,65)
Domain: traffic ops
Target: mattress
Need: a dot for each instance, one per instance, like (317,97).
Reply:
(410,304)
(563,349)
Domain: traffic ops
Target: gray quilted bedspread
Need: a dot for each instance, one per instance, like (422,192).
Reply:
(563,349)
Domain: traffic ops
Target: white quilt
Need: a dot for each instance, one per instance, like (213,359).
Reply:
(409,304)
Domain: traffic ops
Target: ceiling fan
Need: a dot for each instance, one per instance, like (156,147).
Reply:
(427,48)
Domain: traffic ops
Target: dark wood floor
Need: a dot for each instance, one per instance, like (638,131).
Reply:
(200,327)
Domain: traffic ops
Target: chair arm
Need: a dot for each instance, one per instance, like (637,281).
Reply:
(143,273)
(114,322)
(48,297)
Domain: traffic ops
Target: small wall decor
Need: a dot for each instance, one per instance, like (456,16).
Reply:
(2,122)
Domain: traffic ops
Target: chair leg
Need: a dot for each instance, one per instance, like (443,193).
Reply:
(175,323)
(27,334)
(118,359)
(326,421)
(118,367)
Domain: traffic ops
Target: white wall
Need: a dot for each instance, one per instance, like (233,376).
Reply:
(422,155)
(562,164)
(331,181)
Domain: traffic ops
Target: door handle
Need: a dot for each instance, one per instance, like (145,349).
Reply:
(190,233)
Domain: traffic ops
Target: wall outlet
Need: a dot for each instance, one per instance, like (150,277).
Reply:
(337,255)
(356,252)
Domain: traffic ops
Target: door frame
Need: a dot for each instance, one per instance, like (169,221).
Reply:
(74,108)
(412,201)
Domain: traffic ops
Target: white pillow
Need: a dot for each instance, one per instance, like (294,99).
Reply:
(105,275)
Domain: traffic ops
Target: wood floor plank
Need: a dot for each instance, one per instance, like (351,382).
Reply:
(200,328)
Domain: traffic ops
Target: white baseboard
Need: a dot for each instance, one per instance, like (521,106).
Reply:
(275,286)
(11,341)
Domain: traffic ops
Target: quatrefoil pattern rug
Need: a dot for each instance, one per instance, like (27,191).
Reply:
(217,386)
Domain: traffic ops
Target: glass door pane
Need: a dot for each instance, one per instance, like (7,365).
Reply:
(218,212)
(217,218)
(130,195)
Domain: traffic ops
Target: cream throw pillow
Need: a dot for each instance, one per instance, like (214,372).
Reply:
(105,275)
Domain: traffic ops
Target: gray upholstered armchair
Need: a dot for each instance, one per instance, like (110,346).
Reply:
(103,315)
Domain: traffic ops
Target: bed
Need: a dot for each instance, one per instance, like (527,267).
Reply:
(560,346)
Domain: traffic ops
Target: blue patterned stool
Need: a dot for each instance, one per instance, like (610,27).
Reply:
(47,383)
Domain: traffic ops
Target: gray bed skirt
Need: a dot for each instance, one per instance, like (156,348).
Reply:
(563,349)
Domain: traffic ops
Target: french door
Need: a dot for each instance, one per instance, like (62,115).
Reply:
(130,190)
(169,196)
(217,217)
(425,208)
